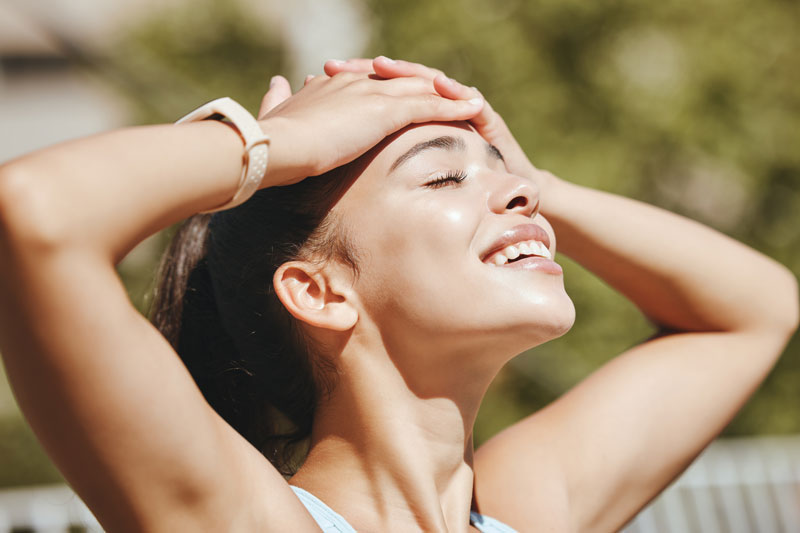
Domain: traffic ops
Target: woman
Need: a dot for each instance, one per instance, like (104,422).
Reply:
(374,319)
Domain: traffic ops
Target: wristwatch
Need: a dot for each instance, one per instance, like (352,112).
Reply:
(254,163)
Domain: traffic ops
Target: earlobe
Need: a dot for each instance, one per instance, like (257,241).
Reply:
(308,294)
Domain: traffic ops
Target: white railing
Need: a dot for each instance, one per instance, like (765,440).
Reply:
(746,485)
(45,509)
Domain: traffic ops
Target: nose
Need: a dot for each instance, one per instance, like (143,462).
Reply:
(513,194)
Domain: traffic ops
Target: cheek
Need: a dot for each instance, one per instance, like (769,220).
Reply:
(416,255)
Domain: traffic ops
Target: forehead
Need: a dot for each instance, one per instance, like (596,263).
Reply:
(369,173)
(397,145)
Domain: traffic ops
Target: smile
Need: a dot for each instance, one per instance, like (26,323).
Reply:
(518,251)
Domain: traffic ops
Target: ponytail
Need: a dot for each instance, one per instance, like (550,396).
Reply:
(185,250)
(215,304)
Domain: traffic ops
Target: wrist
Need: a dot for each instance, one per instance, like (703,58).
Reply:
(256,145)
(286,165)
(554,193)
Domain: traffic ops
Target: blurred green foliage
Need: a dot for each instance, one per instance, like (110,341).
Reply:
(22,459)
(692,106)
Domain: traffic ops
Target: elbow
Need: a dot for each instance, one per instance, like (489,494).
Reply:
(26,213)
(792,316)
(782,313)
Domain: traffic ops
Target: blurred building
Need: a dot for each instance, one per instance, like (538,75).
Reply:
(45,98)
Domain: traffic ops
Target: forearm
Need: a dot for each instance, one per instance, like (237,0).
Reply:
(681,274)
(110,191)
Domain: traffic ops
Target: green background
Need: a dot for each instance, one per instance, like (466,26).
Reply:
(692,106)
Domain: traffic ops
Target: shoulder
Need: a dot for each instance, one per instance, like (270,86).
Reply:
(520,481)
(245,493)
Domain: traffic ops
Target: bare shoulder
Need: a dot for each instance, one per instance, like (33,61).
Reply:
(519,480)
(258,499)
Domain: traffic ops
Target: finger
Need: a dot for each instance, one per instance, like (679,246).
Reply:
(491,126)
(450,88)
(335,66)
(279,90)
(410,86)
(487,121)
(432,107)
(393,68)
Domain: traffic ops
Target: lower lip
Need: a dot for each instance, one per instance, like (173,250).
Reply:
(535,263)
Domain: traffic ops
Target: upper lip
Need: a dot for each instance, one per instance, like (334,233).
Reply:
(520,233)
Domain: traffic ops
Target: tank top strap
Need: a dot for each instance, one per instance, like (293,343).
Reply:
(332,522)
(487,524)
(328,520)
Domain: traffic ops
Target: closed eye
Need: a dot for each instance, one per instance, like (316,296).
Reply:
(453,177)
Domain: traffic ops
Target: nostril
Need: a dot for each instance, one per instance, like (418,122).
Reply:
(518,201)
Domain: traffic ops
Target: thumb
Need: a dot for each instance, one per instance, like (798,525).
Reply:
(279,90)
(491,126)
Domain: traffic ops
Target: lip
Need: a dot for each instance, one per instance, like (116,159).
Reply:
(522,232)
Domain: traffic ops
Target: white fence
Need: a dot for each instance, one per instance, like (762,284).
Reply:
(736,486)
(46,509)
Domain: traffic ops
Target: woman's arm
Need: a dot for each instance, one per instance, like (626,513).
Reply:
(618,438)
(681,274)
(725,312)
(103,390)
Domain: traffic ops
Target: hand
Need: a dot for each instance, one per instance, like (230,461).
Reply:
(334,119)
(488,123)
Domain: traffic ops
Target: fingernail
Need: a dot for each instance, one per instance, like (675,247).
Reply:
(272,81)
(337,61)
(388,60)
(475,101)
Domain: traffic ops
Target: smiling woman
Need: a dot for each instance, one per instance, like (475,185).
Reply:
(363,311)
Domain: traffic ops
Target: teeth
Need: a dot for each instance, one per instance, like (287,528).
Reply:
(543,251)
(512,252)
(521,248)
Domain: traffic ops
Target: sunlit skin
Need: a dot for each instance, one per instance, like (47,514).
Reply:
(435,323)
(415,338)
(422,282)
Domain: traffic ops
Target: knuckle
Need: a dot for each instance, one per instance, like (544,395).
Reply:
(381,103)
(415,84)
(435,104)
(350,77)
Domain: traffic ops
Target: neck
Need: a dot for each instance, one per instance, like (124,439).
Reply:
(392,453)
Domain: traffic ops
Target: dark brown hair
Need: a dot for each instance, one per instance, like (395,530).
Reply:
(214,301)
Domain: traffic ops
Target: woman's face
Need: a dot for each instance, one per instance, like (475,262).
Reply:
(426,215)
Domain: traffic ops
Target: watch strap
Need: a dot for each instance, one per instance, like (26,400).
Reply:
(254,164)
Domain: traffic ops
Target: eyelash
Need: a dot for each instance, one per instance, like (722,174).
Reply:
(452,176)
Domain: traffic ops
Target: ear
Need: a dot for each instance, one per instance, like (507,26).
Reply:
(315,296)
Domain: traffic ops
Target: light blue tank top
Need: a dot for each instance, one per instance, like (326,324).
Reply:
(332,522)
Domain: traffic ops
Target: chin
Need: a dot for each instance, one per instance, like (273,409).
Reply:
(550,324)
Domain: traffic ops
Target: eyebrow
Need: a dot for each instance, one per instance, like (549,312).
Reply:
(445,142)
